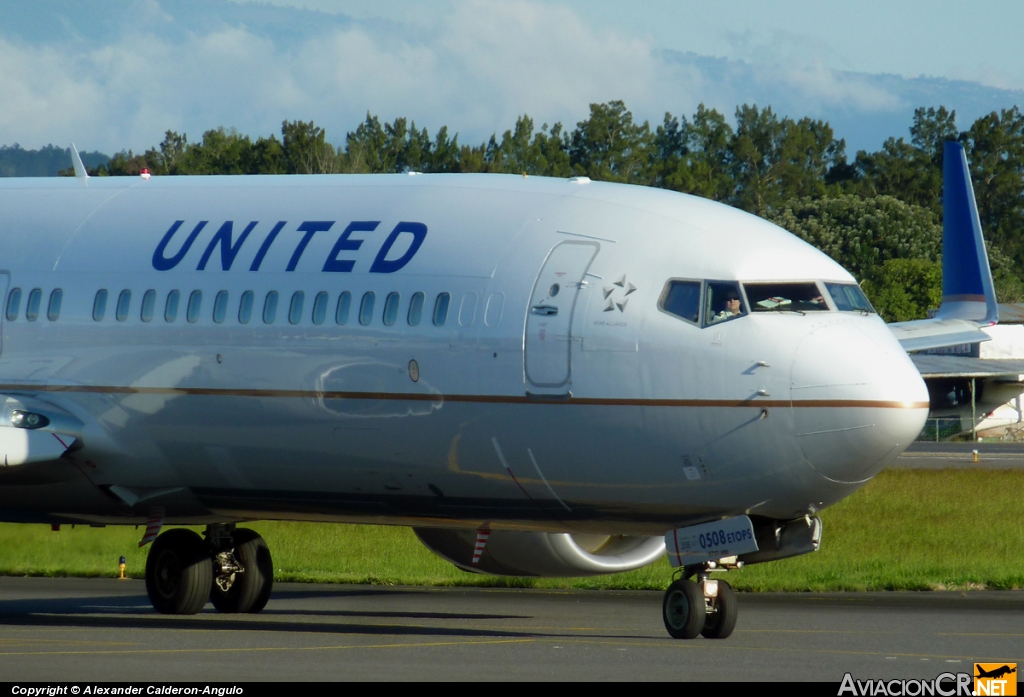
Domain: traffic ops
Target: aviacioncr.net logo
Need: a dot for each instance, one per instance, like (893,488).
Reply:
(945,685)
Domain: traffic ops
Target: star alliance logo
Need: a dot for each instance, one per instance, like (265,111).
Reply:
(626,287)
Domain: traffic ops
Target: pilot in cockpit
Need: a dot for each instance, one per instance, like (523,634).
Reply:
(733,307)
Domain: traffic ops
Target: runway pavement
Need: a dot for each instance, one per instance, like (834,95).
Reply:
(926,455)
(98,629)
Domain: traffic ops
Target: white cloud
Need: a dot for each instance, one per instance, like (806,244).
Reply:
(475,70)
(822,87)
(475,67)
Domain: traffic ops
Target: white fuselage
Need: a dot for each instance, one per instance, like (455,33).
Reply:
(584,407)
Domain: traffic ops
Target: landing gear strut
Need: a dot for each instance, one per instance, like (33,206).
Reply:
(243,571)
(232,568)
(707,606)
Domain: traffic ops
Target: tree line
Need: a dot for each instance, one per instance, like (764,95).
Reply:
(877,213)
(48,161)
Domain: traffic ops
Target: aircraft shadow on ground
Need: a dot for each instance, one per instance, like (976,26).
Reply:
(134,612)
(110,612)
(395,615)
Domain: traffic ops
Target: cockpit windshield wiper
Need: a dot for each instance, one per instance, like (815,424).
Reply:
(786,308)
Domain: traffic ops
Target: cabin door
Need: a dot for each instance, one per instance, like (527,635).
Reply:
(4,282)
(548,341)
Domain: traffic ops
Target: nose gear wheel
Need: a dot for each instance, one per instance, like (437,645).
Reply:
(683,609)
(706,607)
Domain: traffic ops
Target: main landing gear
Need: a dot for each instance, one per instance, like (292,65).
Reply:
(231,568)
(707,606)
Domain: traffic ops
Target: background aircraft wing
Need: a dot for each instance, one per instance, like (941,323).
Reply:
(937,333)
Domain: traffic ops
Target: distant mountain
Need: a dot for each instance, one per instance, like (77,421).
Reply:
(863,108)
(15,161)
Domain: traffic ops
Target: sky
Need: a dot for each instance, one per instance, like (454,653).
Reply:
(116,74)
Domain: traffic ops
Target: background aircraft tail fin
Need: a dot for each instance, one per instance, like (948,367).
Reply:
(968,294)
(967,289)
(76,161)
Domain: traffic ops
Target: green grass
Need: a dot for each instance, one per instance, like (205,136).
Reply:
(906,530)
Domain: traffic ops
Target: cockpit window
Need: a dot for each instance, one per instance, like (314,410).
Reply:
(723,302)
(682,299)
(848,297)
(785,297)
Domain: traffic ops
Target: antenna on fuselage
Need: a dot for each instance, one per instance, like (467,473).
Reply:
(76,160)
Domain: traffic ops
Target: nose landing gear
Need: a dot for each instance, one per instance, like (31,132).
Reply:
(707,607)
(232,568)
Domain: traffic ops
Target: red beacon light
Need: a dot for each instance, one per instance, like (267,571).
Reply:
(145,173)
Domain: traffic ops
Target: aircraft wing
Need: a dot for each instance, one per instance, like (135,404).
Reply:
(937,333)
(968,294)
(950,366)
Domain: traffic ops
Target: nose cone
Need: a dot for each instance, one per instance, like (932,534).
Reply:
(858,400)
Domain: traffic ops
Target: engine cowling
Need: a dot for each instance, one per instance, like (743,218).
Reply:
(543,554)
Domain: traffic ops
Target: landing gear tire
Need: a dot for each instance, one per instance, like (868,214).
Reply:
(721,620)
(179,573)
(683,609)
(249,589)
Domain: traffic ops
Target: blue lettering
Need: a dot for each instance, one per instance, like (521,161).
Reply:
(310,227)
(161,262)
(230,247)
(228,251)
(383,265)
(333,263)
(265,247)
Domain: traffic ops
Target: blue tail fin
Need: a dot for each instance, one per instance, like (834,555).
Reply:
(967,289)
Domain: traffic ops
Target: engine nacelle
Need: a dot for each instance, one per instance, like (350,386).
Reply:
(513,553)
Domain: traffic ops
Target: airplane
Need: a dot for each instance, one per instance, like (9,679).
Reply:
(995,672)
(542,377)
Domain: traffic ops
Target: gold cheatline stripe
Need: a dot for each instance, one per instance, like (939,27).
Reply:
(481,399)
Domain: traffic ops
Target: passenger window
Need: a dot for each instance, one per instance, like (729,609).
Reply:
(682,299)
(32,306)
(124,301)
(220,306)
(391,308)
(148,304)
(53,308)
(99,305)
(785,297)
(493,308)
(441,308)
(270,308)
(344,303)
(366,308)
(722,302)
(848,297)
(467,310)
(195,300)
(295,309)
(171,307)
(13,303)
(415,309)
(245,307)
(320,308)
